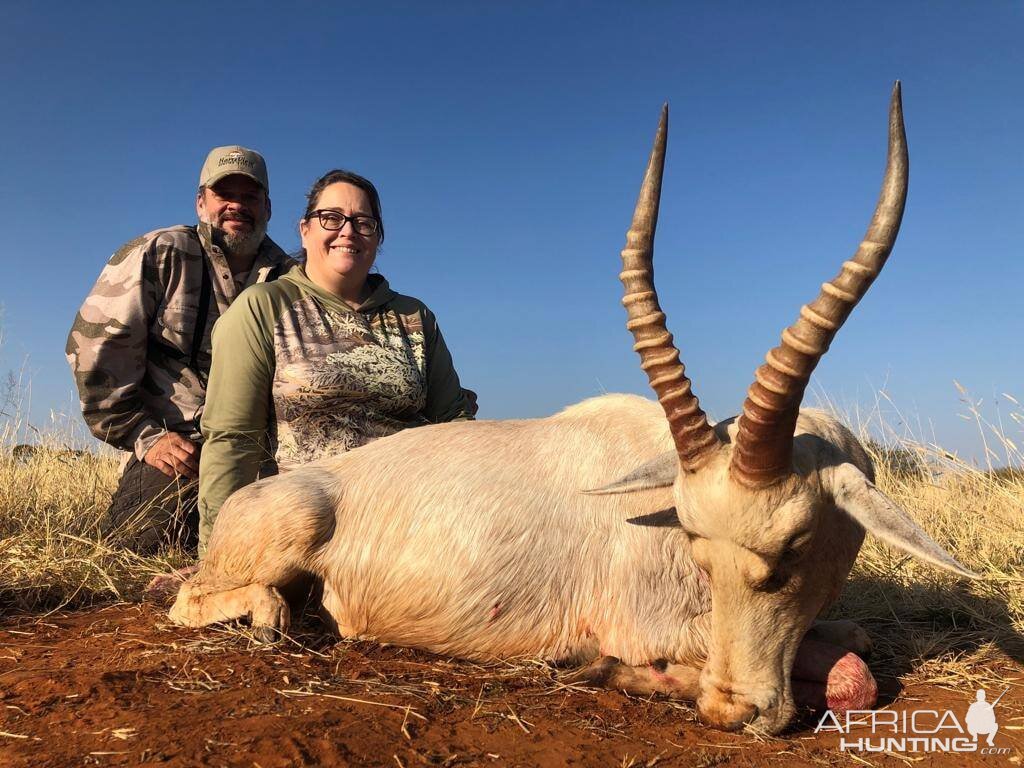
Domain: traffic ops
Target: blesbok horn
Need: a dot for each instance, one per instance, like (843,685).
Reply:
(694,438)
(764,444)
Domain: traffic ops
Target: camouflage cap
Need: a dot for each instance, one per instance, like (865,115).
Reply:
(225,161)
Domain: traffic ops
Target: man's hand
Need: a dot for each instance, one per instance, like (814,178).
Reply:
(174,454)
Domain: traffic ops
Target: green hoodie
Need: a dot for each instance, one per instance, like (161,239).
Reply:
(297,375)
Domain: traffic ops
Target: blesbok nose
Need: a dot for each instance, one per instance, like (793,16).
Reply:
(726,711)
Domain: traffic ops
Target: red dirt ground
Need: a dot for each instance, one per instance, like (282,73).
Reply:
(121,686)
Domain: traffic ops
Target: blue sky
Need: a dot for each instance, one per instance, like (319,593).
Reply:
(508,141)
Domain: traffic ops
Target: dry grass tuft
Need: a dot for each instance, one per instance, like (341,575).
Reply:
(50,555)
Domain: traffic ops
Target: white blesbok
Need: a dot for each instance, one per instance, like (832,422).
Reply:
(696,575)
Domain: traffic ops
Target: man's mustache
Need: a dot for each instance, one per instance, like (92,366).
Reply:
(238,217)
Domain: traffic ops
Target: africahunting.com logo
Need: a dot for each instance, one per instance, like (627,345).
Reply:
(918,730)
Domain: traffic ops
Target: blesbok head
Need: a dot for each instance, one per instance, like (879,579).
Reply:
(775,520)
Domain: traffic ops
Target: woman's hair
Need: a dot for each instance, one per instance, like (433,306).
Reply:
(341,176)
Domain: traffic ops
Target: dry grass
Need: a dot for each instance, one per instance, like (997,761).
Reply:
(927,625)
(50,554)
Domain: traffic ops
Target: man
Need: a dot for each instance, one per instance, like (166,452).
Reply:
(140,345)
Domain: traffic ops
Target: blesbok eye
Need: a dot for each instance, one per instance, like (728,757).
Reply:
(775,581)
(782,569)
(794,550)
(789,556)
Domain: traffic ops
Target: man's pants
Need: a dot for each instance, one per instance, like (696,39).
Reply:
(150,510)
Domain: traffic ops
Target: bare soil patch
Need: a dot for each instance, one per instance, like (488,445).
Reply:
(121,686)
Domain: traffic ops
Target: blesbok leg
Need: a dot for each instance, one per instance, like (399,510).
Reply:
(844,633)
(674,680)
(824,676)
(199,605)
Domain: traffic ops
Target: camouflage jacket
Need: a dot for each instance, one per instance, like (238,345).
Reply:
(298,375)
(131,342)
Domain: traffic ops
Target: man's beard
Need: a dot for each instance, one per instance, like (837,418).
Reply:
(241,245)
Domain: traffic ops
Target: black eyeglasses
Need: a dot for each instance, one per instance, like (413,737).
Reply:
(335,220)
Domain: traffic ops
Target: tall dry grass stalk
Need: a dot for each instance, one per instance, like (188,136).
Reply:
(922,619)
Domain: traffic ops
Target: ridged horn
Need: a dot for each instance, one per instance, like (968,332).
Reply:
(693,436)
(764,444)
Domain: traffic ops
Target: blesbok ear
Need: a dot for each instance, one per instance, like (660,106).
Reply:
(656,473)
(663,518)
(861,500)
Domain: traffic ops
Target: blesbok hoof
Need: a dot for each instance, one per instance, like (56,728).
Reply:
(597,674)
(267,635)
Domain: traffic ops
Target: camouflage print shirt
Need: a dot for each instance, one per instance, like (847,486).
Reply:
(130,347)
(298,375)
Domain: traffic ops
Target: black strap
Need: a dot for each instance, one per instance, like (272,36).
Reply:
(201,317)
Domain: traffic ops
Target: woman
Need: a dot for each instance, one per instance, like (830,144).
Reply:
(324,359)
